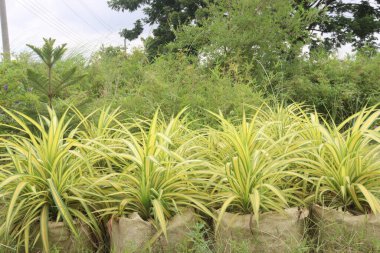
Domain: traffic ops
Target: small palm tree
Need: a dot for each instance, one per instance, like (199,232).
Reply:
(50,86)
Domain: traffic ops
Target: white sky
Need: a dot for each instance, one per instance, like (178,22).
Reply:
(83,24)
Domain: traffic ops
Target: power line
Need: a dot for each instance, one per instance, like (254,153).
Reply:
(84,47)
(79,16)
(79,46)
(100,20)
(50,20)
(56,20)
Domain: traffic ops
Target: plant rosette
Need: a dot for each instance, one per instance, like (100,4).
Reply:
(159,180)
(133,234)
(333,226)
(275,232)
(258,186)
(346,177)
(42,182)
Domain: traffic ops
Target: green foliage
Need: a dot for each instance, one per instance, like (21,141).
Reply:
(51,85)
(254,166)
(171,83)
(132,33)
(219,57)
(231,28)
(338,88)
(111,72)
(265,51)
(42,180)
(161,172)
(346,167)
(13,91)
(167,15)
(341,22)
(261,37)
(344,22)
(268,159)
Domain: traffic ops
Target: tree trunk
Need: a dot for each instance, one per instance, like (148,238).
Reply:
(50,95)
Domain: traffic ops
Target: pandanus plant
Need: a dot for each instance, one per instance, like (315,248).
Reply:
(255,170)
(162,173)
(346,170)
(41,180)
(102,132)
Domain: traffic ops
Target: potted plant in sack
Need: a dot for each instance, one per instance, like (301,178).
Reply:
(152,201)
(346,173)
(41,184)
(256,193)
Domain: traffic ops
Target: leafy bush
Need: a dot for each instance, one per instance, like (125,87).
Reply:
(347,164)
(161,174)
(253,169)
(337,88)
(174,82)
(42,180)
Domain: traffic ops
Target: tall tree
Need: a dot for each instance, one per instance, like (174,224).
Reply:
(346,21)
(265,30)
(340,21)
(168,15)
(131,34)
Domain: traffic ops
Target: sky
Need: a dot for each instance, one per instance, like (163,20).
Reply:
(83,24)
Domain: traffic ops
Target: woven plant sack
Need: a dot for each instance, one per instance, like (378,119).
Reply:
(178,231)
(276,232)
(338,231)
(133,234)
(129,234)
(62,240)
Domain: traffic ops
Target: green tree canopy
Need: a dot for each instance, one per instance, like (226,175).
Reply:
(166,14)
(131,34)
(339,21)
(344,21)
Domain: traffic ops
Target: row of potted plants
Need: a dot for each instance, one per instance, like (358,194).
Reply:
(66,180)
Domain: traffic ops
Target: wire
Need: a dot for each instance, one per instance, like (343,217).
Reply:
(79,47)
(87,46)
(100,20)
(49,22)
(79,16)
(56,20)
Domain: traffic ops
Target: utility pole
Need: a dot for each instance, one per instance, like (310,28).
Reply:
(4,31)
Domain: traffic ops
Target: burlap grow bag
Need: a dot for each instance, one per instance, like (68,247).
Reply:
(133,234)
(62,240)
(276,232)
(178,231)
(338,231)
(129,234)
